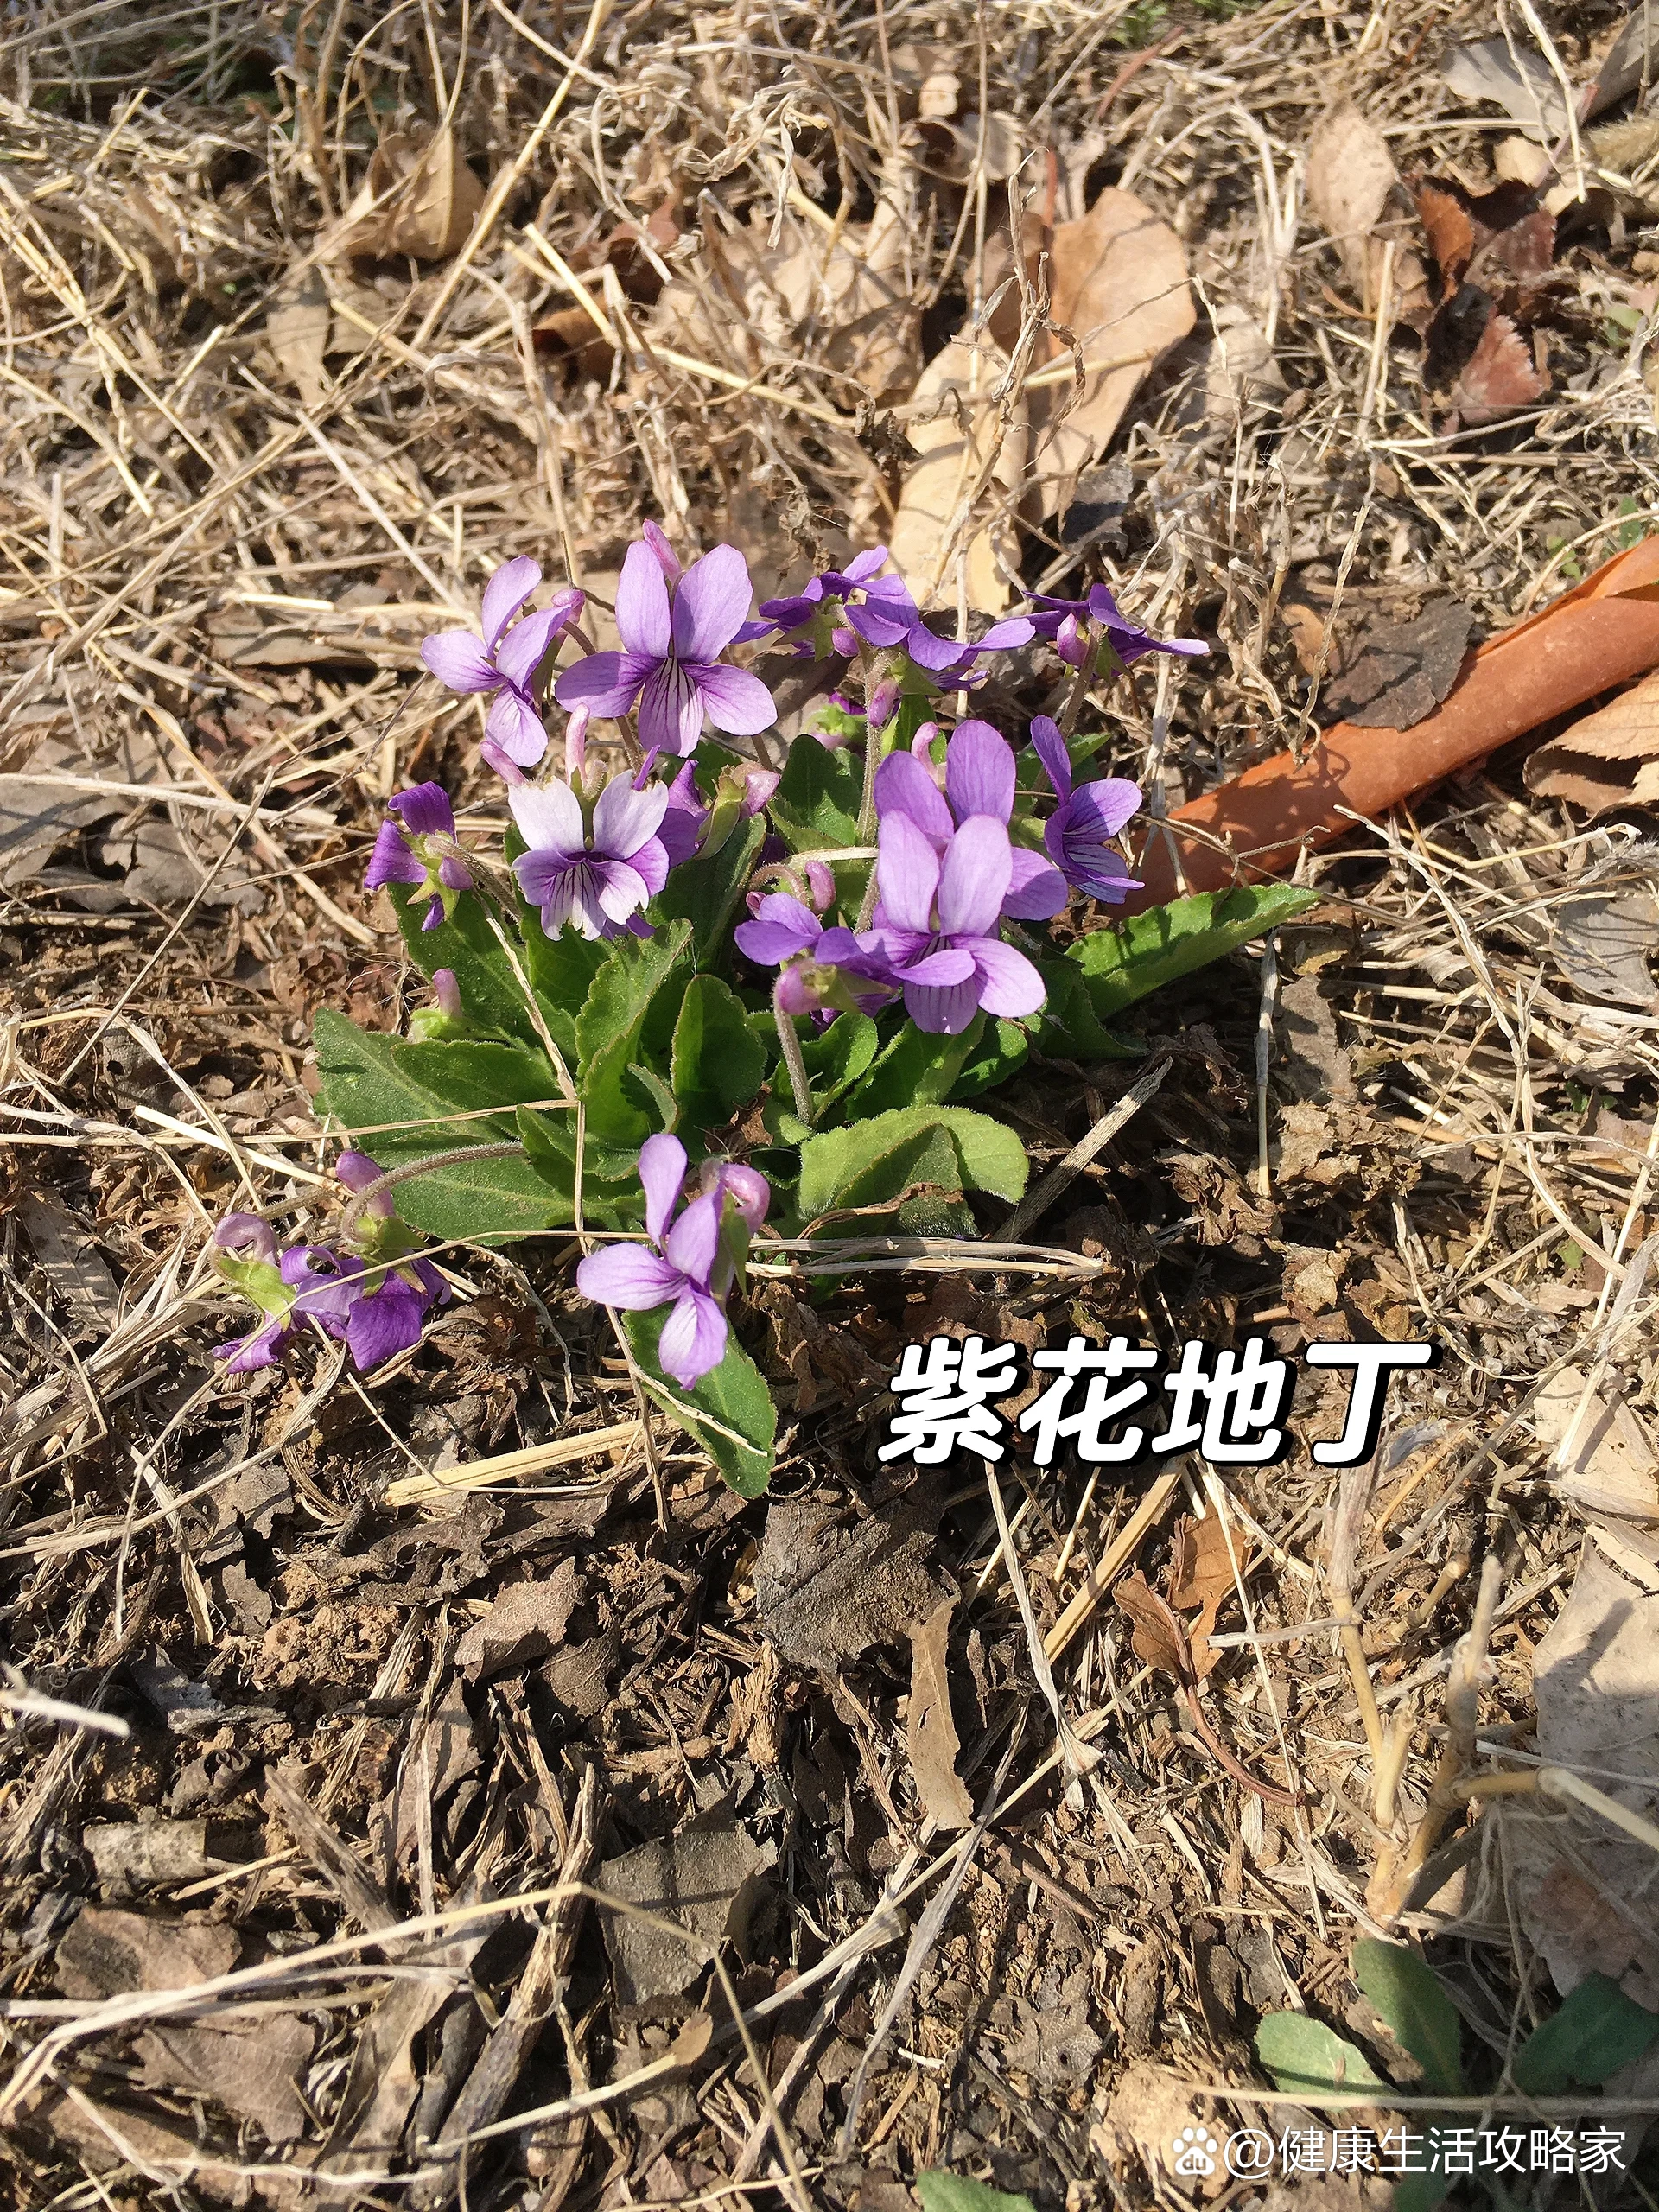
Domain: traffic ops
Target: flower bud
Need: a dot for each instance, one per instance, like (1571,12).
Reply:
(358,1173)
(245,1236)
(446,993)
(760,786)
(491,754)
(882,702)
(820,886)
(1070,643)
(576,742)
(667,560)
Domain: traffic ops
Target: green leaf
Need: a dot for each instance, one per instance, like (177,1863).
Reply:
(369,1080)
(705,893)
(1002,1051)
(816,805)
(875,1162)
(1070,1029)
(1122,963)
(917,1068)
(956,2193)
(1598,2030)
(1413,2000)
(628,1016)
(489,995)
(838,1056)
(729,1412)
(560,970)
(1306,2058)
(1420,2192)
(717,1062)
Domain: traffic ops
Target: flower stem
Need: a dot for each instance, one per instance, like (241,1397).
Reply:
(790,1045)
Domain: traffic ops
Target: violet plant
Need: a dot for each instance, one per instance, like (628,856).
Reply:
(774,983)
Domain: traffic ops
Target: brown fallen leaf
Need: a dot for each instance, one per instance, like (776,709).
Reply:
(1350,178)
(826,1592)
(525,1623)
(416,199)
(108,1953)
(962,488)
(1120,292)
(1477,234)
(1201,1576)
(1603,943)
(1397,672)
(1477,361)
(1608,1467)
(1154,1638)
(298,325)
(1516,77)
(706,1881)
(1610,759)
(930,1732)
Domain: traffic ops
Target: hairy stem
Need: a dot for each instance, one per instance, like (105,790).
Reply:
(348,1220)
(790,1045)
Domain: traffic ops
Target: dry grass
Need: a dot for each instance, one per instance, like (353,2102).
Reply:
(241,475)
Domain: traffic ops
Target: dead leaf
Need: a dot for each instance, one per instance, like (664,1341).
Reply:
(1397,672)
(419,201)
(1603,943)
(1514,78)
(930,1732)
(825,1593)
(1610,759)
(1350,175)
(1153,1638)
(525,1623)
(109,1953)
(1579,1883)
(962,488)
(1121,289)
(1201,1575)
(298,324)
(250,2072)
(1476,235)
(82,1287)
(1610,1466)
(955,150)
(706,1881)
(1476,358)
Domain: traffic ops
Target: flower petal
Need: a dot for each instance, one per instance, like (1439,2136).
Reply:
(1036,890)
(649,862)
(711,603)
(883,622)
(950,965)
(1008,983)
(624,817)
(941,1014)
(506,591)
(694,1239)
(979,772)
(456,658)
(1051,750)
(385,1323)
(513,726)
(662,1173)
(424,811)
(605,683)
(930,651)
(732,699)
(781,928)
(547,880)
(549,817)
(1101,809)
(618,888)
(671,711)
(903,786)
(693,1341)
(628,1276)
(974,879)
(521,652)
(1007,636)
(642,616)
(391,862)
(907,869)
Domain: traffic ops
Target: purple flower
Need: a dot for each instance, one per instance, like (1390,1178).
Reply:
(816,604)
(673,630)
(1066,621)
(684,819)
(979,779)
(506,664)
(888,617)
(245,1253)
(696,1260)
(376,1310)
(594,864)
(1078,833)
(935,925)
(784,934)
(418,846)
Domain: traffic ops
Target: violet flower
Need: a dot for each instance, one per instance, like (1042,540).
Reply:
(817,605)
(818,965)
(673,630)
(1078,833)
(376,1310)
(695,1262)
(889,617)
(505,664)
(593,863)
(935,925)
(1070,623)
(244,1254)
(979,779)
(419,847)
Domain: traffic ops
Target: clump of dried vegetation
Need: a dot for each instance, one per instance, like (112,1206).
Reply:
(565,1831)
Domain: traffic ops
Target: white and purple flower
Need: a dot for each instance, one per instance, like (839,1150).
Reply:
(506,663)
(591,862)
(416,844)
(1078,833)
(674,626)
(696,1261)
(979,779)
(935,921)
